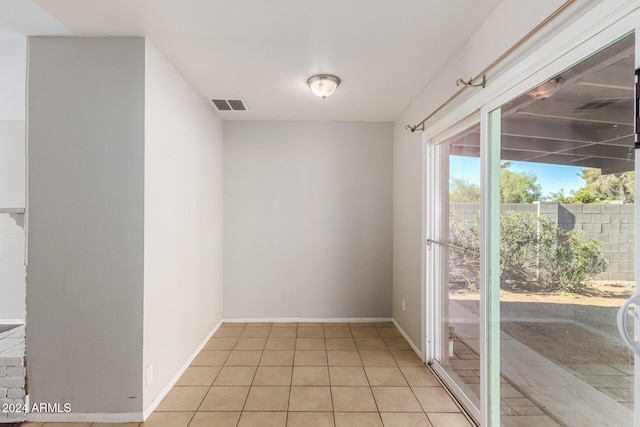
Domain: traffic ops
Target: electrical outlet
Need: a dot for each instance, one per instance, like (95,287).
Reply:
(149,374)
(404,305)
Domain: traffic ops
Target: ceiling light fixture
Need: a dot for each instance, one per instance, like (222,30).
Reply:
(323,85)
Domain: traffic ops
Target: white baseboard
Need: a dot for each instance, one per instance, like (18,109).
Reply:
(136,417)
(310,320)
(78,417)
(409,340)
(152,407)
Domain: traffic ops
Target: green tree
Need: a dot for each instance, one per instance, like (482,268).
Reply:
(610,187)
(518,187)
(600,188)
(462,191)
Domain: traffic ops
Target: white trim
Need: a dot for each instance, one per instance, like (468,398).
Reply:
(409,340)
(11,210)
(153,405)
(78,417)
(310,320)
(16,322)
(424,153)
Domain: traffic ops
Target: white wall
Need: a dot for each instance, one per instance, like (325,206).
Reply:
(85,231)
(12,195)
(12,271)
(506,25)
(12,164)
(308,226)
(183,221)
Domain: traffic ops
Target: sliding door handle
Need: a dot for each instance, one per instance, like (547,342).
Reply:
(623,316)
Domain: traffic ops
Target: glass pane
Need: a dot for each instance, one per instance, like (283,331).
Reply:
(567,188)
(457,250)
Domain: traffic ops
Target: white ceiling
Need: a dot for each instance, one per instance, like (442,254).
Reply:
(263,51)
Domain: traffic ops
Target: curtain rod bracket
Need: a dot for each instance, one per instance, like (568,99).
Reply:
(419,126)
(469,83)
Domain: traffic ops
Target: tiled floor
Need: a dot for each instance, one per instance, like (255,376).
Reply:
(306,375)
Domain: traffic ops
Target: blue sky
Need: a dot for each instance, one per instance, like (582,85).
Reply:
(551,178)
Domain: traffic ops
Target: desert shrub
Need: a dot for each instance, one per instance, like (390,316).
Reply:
(535,254)
(576,261)
(464,266)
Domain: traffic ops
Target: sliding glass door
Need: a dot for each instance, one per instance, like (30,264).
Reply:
(454,250)
(531,251)
(566,245)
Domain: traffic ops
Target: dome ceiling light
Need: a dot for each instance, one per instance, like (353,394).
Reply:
(323,85)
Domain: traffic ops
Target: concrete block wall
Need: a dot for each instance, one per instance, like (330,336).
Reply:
(611,224)
(12,375)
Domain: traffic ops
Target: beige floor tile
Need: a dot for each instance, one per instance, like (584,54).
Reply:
(256,330)
(273,375)
(244,358)
(310,419)
(419,376)
(166,419)
(361,324)
(235,375)
(370,344)
(280,344)
(228,331)
(365,332)
(310,344)
(311,332)
(355,419)
(100,425)
(353,399)
(65,424)
(396,343)
(198,375)
(448,420)
(250,344)
(328,325)
(405,420)
(377,358)
(343,344)
(182,399)
(395,399)
(210,358)
(224,398)
(435,399)
(349,376)
(337,332)
(284,325)
(310,375)
(343,358)
(283,332)
(267,399)
(277,358)
(214,419)
(310,399)
(406,358)
(31,425)
(310,358)
(221,343)
(388,331)
(263,419)
(387,376)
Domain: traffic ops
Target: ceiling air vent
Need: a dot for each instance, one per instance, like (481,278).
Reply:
(596,105)
(229,104)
